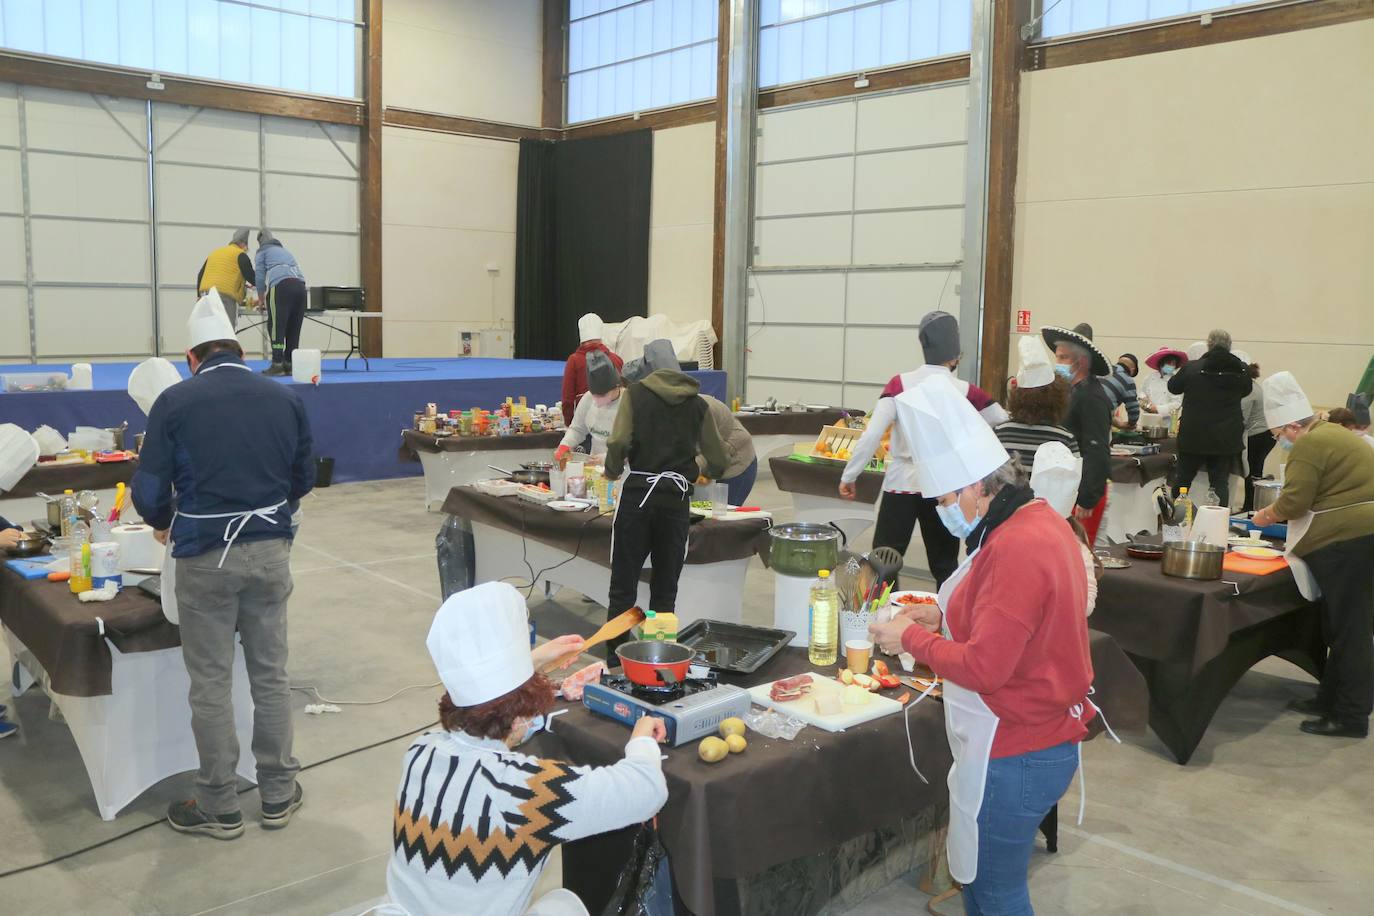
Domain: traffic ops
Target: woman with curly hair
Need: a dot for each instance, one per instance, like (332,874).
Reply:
(1037,402)
(475,819)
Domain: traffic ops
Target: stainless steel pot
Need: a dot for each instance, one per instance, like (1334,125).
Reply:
(1266,493)
(30,545)
(804,549)
(1193,560)
(1155,432)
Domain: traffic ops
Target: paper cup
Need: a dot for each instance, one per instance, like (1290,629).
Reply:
(857,655)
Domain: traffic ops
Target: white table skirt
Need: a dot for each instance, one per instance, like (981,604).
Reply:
(446,470)
(1131,509)
(850,516)
(141,733)
(714,590)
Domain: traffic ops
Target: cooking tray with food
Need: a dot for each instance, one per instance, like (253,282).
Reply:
(733,647)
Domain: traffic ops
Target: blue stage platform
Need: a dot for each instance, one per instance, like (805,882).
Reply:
(357,415)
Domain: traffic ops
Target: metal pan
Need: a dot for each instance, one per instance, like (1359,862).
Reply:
(524,475)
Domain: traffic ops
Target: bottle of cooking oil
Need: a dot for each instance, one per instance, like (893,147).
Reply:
(1183,510)
(825,621)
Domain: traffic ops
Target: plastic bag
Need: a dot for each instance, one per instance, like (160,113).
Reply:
(457,556)
(772,724)
(645,887)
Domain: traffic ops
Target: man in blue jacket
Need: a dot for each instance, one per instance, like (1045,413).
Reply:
(226,458)
(283,285)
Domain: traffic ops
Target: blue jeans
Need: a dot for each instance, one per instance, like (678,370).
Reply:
(742,484)
(1020,791)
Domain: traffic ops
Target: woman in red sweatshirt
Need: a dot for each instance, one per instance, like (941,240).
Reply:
(1012,647)
(589,329)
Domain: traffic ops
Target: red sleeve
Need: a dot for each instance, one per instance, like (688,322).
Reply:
(893,388)
(983,663)
(569,389)
(979,398)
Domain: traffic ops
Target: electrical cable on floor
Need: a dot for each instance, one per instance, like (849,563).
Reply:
(524,551)
(161,820)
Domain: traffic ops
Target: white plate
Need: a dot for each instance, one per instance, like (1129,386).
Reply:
(568,505)
(1259,553)
(1237,541)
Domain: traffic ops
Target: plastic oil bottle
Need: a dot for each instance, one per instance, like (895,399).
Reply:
(825,621)
(80,554)
(1183,510)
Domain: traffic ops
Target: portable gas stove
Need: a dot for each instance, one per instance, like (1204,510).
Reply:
(692,710)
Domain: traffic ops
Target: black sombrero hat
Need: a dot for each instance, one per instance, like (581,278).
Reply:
(1053,336)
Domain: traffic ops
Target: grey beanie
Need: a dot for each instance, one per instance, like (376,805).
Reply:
(601,374)
(265,236)
(939,335)
(1358,404)
(658,354)
(240,237)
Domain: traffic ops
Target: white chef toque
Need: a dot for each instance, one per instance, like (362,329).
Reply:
(149,379)
(18,453)
(209,321)
(1197,350)
(1055,476)
(1284,400)
(1035,371)
(952,446)
(589,327)
(480,643)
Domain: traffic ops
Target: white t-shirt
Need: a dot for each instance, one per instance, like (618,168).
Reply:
(474,822)
(590,419)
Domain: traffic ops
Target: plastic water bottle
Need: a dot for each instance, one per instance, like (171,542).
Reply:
(825,621)
(80,557)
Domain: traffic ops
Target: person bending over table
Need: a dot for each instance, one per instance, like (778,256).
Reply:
(662,426)
(229,271)
(1078,360)
(225,462)
(903,506)
(1120,388)
(589,328)
(281,277)
(741,465)
(1212,424)
(476,819)
(1328,502)
(1354,416)
(9,537)
(594,417)
(1014,652)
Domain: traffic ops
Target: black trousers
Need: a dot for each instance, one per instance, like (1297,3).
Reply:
(656,532)
(1218,469)
(1345,572)
(285,315)
(898,515)
(1257,449)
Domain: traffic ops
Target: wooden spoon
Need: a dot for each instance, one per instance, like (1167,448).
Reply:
(616,626)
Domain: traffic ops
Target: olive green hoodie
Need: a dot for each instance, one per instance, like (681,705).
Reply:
(642,408)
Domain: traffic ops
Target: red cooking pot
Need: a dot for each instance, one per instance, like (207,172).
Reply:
(655,663)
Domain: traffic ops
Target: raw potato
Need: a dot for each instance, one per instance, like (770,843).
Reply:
(736,744)
(712,749)
(732,726)
(829,705)
(854,695)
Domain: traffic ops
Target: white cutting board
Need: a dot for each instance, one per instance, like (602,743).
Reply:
(805,708)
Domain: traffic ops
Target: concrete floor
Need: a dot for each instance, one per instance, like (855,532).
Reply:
(1264,820)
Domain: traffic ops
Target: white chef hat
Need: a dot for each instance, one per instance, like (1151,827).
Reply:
(1197,350)
(952,446)
(18,452)
(589,327)
(149,379)
(1284,400)
(209,321)
(1055,476)
(480,643)
(1035,371)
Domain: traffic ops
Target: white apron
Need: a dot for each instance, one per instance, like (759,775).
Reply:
(970,727)
(232,529)
(1297,529)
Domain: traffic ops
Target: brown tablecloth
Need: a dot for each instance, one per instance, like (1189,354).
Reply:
(54,478)
(63,635)
(413,443)
(793,424)
(783,800)
(588,535)
(1193,640)
(816,479)
(1140,471)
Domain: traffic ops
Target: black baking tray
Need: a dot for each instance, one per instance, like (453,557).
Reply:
(733,647)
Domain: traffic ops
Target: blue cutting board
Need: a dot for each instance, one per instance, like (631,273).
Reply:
(31,569)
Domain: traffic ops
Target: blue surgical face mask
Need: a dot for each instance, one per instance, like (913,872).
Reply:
(1166,370)
(1065,372)
(953,517)
(1285,444)
(535,726)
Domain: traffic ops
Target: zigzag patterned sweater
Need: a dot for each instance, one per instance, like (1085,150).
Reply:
(475,822)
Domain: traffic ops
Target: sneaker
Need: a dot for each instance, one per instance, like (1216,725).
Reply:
(276,369)
(276,815)
(7,729)
(186,817)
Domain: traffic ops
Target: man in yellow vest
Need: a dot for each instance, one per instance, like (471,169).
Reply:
(229,270)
